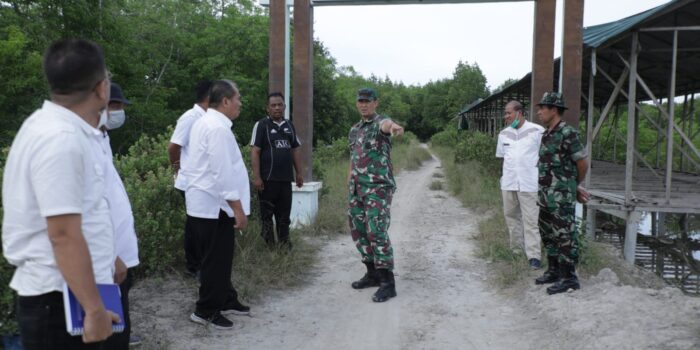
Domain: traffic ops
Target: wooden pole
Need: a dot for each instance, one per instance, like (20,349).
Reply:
(631,108)
(542,51)
(277,46)
(671,112)
(571,60)
(632,226)
(303,81)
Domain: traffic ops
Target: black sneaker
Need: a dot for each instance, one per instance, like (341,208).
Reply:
(217,321)
(236,308)
(535,264)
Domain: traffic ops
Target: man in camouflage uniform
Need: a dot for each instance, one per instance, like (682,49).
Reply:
(562,167)
(371,186)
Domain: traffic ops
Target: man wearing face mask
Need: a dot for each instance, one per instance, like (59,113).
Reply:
(125,240)
(518,145)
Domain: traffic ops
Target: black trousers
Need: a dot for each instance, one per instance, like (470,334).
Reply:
(275,200)
(42,324)
(192,254)
(120,341)
(217,239)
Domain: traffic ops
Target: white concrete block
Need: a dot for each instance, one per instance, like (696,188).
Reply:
(304,204)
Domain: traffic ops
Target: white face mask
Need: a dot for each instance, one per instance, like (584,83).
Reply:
(115,119)
(103,119)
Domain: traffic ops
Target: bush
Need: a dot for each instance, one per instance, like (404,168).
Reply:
(159,210)
(326,154)
(446,138)
(476,146)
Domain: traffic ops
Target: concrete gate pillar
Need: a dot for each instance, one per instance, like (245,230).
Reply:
(571,63)
(276,45)
(542,78)
(303,81)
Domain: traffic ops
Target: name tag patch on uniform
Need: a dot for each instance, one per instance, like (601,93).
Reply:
(282,144)
(287,130)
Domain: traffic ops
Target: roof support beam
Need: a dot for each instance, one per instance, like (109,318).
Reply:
(589,121)
(631,109)
(664,112)
(611,100)
(671,113)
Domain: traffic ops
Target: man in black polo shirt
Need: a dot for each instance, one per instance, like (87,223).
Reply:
(275,148)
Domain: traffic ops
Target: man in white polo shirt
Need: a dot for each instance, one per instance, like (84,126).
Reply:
(518,145)
(177,153)
(56,225)
(218,200)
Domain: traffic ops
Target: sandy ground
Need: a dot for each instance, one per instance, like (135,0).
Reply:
(444,299)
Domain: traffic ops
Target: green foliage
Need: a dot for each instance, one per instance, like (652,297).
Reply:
(157,206)
(446,138)
(476,146)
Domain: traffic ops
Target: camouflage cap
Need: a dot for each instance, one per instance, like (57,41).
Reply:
(553,98)
(366,94)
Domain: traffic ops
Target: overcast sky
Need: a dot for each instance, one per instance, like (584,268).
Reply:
(419,43)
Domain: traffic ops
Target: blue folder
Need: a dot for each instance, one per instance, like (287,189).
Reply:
(75,315)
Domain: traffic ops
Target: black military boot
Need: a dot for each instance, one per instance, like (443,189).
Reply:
(552,273)
(387,286)
(370,279)
(568,281)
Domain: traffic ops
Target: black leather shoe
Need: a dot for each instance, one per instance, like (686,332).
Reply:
(387,287)
(370,279)
(568,281)
(552,273)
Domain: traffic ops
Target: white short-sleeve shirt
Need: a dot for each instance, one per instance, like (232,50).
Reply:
(216,172)
(181,136)
(126,245)
(520,149)
(55,167)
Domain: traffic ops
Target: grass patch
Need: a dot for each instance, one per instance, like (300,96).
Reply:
(438,175)
(436,185)
(258,268)
(409,156)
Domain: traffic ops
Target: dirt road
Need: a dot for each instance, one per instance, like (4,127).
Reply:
(444,301)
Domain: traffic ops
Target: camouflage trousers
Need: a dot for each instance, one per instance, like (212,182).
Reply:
(369,218)
(558,232)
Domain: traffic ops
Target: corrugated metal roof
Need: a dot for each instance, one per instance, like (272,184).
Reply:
(606,34)
(595,36)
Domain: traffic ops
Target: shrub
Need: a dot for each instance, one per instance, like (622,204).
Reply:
(446,138)
(476,146)
(159,211)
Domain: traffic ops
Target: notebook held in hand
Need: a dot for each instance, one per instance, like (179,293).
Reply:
(75,315)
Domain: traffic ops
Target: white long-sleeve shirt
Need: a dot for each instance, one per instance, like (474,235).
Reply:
(215,169)
(520,149)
